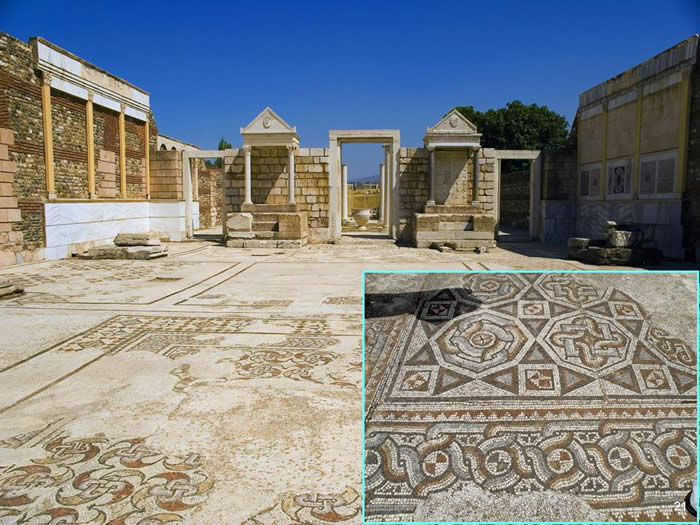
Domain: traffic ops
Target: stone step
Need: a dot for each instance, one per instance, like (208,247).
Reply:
(453,210)
(453,236)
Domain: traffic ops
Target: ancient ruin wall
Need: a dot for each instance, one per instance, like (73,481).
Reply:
(413,186)
(270,181)
(210,193)
(20,113)
(691,196)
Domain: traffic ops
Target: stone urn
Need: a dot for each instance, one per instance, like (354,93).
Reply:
(361,218)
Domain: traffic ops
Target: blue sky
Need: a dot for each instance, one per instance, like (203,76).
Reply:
(211,67)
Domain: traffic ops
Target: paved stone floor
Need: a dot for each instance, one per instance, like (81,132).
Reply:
(527,386)
(211,386)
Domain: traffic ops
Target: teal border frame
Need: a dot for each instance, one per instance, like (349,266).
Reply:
(697,390)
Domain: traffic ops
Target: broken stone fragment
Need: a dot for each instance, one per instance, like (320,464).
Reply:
(625,239)
(579,242)
(239,222)
(137,239)
(8,289)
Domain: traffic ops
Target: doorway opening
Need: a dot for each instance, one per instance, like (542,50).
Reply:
(364,203)
(514,201)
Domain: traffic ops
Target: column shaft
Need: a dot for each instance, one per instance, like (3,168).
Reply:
(122,154)
(475,185)
(90,147)
(382,192)
(247,198)
(147,152)
(344,191)
(431,181)
(388,175)
(290,167)
(48,135)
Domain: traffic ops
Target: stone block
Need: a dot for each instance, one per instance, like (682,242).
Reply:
(7,136)
(137,239)
(578,242)
(484,223)
(239,222)
(145,252)
(4,152)
(235,243)
(240,235)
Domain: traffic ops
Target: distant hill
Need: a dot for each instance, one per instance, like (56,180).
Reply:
(372,179)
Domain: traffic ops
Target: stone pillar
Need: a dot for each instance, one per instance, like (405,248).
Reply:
(90,146)
(431,175)
(344,191)
(475,185)
(195,179)
(187,190)
(48,134)
(389,184)
(290,168)
(122,154)
(382,192)
(247,196)
(147,151)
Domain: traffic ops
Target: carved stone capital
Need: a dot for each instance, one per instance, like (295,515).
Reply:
(46,78)
(291,148)
(91,95)
(247,149)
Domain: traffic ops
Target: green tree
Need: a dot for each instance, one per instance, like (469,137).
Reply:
(519,126)
(223,144)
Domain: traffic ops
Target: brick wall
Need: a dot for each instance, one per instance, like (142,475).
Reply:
(69,146)
(10,240)
(270,180)
(166,175)
(691,196)
(135,159)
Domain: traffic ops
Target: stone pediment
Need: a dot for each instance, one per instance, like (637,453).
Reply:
(268,121)
(454,122)
(268,128)
(453,130)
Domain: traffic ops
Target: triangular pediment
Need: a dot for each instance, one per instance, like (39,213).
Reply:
(454,122)
(268,122)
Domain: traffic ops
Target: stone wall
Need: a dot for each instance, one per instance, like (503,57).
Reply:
(210,193)
(166,175)
(270,182)
(20,113)
(691,196)
(69,146)
(515,197)
(10,241)
(413,185)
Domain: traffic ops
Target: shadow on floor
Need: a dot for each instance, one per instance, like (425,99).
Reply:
(441,304)
(558,251)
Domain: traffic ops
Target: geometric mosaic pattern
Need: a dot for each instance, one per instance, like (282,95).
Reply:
(529,382)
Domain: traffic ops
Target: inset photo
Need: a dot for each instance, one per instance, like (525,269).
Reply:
(530,397)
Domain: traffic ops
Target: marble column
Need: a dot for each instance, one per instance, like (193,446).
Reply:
(344,191)
(382,192)
(475,185)
(290,168)
(431,176)
(247,199)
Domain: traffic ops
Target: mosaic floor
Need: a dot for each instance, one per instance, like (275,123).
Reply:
(523,383)
(212,386)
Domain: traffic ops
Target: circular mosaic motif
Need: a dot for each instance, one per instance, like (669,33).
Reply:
(479,341)
(589,341)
